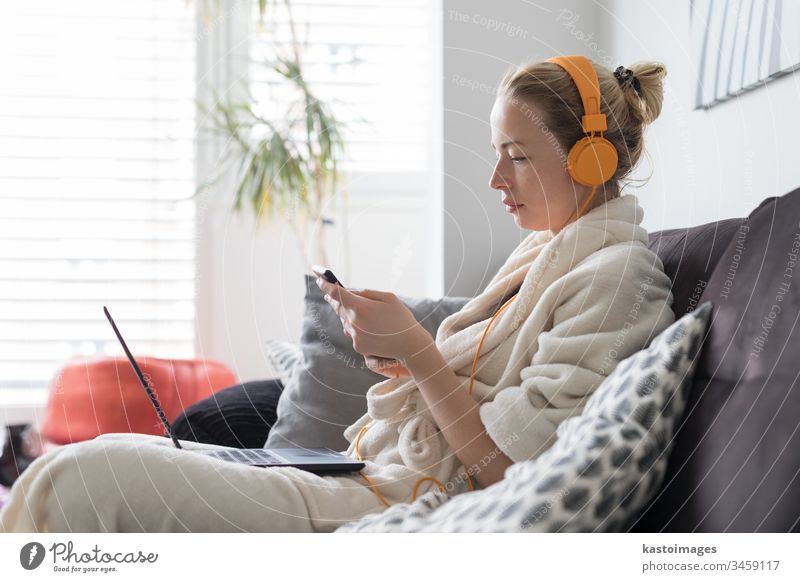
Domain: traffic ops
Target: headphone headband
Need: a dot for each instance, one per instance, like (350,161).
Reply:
(592,160)
(583,74)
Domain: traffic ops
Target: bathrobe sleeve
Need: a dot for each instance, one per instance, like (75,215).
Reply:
(602,316)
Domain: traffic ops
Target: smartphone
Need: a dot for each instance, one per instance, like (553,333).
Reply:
(389,363)
(326,274)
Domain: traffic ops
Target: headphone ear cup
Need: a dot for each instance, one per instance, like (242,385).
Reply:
(592,161)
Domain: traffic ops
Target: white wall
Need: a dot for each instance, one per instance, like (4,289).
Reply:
(707,164)
(481,41)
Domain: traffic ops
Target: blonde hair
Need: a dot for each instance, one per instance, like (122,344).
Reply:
(551,89)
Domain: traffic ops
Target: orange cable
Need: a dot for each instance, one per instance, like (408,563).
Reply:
(588,199)
(375,489)
(583,206)
(480,345)
(475,364)
(421,481)
(369,481)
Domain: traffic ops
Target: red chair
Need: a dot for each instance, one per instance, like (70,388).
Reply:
(90,397)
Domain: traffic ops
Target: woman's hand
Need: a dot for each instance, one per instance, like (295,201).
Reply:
(387,367)
(379,324)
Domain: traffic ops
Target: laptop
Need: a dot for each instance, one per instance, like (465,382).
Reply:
(317,460)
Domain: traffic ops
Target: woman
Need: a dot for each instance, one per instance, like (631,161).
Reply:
(580,293)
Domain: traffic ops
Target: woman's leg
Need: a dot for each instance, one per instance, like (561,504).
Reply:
(141,483)
(240,416)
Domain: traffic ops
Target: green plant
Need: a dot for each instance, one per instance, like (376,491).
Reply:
(289,164)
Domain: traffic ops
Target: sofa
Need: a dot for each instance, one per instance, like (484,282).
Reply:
(734,464)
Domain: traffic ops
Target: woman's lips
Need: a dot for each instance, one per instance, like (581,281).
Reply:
(512,207)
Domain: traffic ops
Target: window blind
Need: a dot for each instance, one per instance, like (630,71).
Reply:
(371,59)
(97,127)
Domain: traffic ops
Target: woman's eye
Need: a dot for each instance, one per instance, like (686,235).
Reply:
(518,159)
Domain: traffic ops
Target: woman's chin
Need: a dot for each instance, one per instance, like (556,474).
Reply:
(516,214)
(525,223)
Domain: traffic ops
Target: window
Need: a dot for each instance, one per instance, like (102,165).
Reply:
(378,62)
(372,61)
(97,128)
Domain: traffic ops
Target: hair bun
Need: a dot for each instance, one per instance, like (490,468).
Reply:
(643,86)
(626,77)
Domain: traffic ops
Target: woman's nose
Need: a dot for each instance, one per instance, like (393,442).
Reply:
(497,180)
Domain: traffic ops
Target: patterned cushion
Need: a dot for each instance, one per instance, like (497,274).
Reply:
(283,356)
(606,464)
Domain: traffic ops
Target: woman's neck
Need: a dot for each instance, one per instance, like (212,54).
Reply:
(602,196)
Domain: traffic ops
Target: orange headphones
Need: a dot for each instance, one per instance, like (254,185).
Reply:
(592,161)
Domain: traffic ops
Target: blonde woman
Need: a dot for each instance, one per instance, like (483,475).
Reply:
(580,293)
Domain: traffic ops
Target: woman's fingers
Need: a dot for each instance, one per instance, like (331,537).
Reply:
(388,367)
(334,294)
(333,303)
(372,294)
(336,304)
(378,322)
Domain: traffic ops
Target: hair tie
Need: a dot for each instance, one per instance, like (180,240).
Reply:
(624,76)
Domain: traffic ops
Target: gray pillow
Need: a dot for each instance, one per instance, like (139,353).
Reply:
(603,469)
(327,392)
(285,357)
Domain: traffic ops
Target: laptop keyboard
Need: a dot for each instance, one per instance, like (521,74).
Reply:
(248,456)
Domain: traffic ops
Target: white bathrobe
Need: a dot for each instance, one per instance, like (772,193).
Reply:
(588,297)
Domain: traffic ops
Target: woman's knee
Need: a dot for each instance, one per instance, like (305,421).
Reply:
(112,484)
(63,489)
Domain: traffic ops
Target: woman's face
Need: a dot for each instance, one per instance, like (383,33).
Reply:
(531,170)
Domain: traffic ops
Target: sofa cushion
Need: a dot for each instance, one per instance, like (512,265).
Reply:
(690,256)
(284,357)
(604,466)
(327,393)
(239,416)
(735,465)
